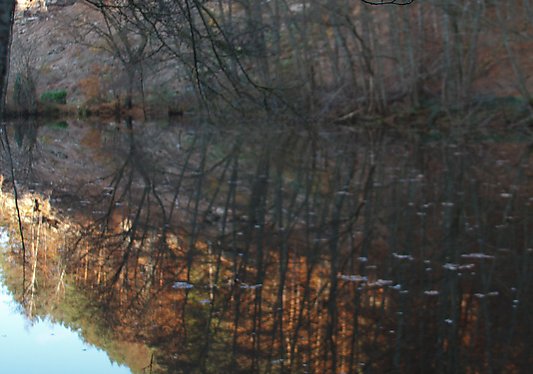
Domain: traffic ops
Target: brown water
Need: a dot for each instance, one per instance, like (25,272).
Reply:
(196,249)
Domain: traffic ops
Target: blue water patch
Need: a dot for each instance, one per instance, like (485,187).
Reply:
(40,346)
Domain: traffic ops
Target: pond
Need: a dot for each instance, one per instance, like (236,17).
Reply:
(183,248)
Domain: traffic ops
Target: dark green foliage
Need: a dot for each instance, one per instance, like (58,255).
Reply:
(54,96)
(84,112)
(58,125)
(24,95)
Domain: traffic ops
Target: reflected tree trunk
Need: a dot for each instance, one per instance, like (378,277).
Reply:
(292,254)
(7,14)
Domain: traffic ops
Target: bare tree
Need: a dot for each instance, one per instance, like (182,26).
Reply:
(123,34)
(322,60)
(7,11)
(26,68)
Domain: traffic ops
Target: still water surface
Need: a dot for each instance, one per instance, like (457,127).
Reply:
(182,249)
(42,346)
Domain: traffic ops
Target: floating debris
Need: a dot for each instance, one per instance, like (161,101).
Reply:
(455,267)
(449,266)
(477,255)
(343,193)
(354,278)
(251,286)
(182,285)
(402,257)
(396,287)
(431,293)
(380,283)
(480,295)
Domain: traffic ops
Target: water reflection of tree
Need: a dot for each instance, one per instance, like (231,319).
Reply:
(270,252)
(25,136)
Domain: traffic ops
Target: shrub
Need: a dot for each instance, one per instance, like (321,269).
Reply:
(56,97)
(84,112)
(58,125)
(24,96)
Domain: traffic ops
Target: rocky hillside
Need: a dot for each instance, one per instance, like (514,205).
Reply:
(436,57)
(53,54)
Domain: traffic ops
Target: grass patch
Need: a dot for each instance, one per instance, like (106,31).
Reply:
(58,125)
(54,97)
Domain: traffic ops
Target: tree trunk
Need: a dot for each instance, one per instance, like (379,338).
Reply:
(7,10)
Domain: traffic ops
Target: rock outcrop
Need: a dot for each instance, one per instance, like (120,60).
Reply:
(30,6)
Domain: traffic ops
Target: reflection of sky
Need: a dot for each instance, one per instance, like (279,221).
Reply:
(45,347)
